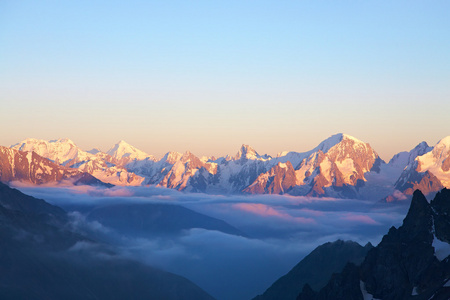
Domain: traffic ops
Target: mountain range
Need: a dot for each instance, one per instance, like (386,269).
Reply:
(341,166)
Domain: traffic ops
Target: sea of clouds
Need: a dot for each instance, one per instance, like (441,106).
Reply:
(280,231)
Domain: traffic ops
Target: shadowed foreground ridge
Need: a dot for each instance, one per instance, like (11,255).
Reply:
(40,258)
(316,268)
(411,262)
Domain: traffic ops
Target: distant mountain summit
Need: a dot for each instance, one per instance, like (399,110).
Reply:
(405,158)
(428,169)
(247,152)
(335,167)
(60,151)
(29,167)
(125,153)
(65,152)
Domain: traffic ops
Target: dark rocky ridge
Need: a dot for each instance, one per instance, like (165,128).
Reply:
(315,269)
(155,219)
(404,262)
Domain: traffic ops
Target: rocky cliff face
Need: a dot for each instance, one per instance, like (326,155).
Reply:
(338,170)
(32,168)
(105,167)
(429,171)
(279,180)
(414,180)
(411,262)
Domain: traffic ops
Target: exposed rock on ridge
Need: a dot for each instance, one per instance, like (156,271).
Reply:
(406,264)
(32,168)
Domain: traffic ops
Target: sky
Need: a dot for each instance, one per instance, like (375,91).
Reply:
(209,76)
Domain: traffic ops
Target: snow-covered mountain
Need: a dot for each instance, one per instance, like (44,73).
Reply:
(61,151)
(429,171)
(66,153)
(125,153)
(30,167)
(403,159)
(336,167)
(340,166)
(278,180)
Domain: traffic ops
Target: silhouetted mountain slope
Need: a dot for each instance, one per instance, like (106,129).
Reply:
(41,258)
(316,269)
(15,200)
(154,219)
(411,262)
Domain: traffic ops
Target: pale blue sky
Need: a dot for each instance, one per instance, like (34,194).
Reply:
(208,76)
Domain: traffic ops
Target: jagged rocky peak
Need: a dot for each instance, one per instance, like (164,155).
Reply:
(349,146)
(342,148)
(278,180)
(334,140)
(187,155)
(172,157)
(194,161)
(419,214)
(428,172)
(246,152)
(405,158)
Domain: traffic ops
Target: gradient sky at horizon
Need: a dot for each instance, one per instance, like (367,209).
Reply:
(207,76)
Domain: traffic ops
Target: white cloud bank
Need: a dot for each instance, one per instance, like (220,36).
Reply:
(281,230)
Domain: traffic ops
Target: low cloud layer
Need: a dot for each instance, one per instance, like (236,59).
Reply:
(281,231)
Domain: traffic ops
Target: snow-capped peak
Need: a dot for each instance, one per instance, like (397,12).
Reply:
(123,150)
(247,152)
(333,140)
(403,159)
(172,157)
(60,151)
(443,146)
